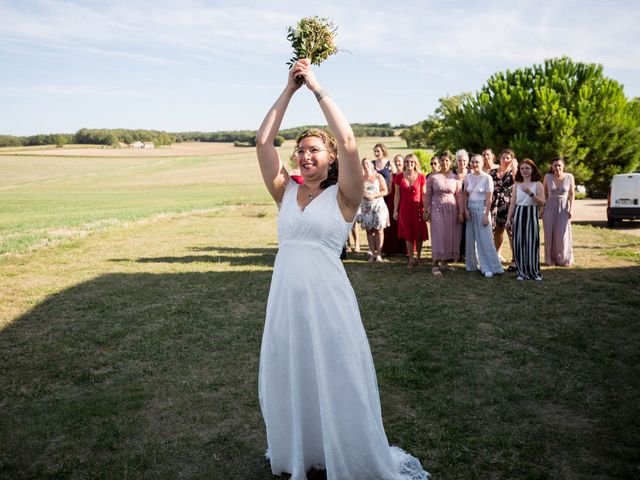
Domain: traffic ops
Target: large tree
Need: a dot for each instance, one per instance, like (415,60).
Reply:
(429,134)
(557,108)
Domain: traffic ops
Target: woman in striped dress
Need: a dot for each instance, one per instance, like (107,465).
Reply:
(522,219)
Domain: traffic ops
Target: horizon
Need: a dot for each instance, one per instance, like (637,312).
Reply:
(392,126)
(212,67)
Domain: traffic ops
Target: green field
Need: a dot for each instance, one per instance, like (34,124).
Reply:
(132,297)
(52,198)
(46,199)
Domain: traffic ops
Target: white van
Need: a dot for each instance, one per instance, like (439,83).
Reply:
(623,200)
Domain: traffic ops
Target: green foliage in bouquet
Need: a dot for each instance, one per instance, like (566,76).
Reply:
(313,38)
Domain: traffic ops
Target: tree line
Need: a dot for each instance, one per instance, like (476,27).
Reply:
(558,108)
(115,137)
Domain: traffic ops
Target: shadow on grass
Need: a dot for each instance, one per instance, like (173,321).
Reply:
(254,260)
(259,257)
(136,375)
(626,226)
(604,247)
(155,375)
(238,251)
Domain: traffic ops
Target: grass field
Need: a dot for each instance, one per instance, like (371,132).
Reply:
(129,345)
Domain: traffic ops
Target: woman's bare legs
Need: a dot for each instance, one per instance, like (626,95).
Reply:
(355,233)
(410,254)
(498,238)
(436,270)
(379,241)
(371,240)
(356,237)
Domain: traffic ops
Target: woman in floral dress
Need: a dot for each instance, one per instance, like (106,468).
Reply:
(373,211)
(443,208)
(502,176)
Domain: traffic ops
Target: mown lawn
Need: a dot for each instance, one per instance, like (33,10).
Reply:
(133,353)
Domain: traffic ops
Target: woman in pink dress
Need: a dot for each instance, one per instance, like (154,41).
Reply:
(407,207)
(560,194)
(443,208)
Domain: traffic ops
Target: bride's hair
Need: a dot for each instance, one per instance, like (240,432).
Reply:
(331,144)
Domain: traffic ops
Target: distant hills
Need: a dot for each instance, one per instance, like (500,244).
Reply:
(118,136)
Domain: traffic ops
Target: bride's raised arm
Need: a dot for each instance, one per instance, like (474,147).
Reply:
(350,183)
(274,174)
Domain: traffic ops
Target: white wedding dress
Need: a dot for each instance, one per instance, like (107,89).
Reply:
(317,384)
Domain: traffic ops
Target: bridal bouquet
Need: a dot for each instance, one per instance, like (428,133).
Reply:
(313,38)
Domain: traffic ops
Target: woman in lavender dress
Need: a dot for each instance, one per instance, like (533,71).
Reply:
(559,191)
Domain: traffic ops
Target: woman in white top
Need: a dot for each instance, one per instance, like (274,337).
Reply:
(522,219)
(478,189)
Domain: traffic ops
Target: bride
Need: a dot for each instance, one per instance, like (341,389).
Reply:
(317,383)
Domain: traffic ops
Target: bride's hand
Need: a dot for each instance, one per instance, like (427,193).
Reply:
(307,73)
(295,71)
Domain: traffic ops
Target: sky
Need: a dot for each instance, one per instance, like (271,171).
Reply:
(207,65)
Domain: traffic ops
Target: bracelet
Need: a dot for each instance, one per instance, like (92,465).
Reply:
(320,94)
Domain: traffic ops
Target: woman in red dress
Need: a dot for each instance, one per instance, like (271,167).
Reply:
(392,244)
(408,208)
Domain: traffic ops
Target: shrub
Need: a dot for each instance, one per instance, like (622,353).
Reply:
(424,157)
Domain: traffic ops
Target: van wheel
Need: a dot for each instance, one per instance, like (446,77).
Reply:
(611,222)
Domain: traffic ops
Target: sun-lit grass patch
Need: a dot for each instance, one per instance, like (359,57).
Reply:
(627,253)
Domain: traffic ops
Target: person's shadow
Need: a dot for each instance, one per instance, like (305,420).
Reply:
(259,257)
(155,374)
(138,375)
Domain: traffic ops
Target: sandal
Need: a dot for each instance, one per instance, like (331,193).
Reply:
(436,272)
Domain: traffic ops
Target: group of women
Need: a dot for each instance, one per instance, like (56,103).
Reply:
(469,207)
(317,382)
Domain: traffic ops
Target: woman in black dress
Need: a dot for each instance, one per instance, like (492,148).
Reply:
(502,176)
